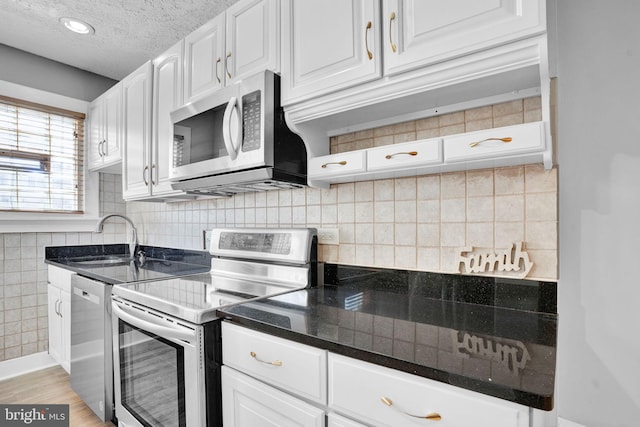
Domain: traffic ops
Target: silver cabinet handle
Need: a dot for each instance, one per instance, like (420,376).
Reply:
(144,175)
(218,60)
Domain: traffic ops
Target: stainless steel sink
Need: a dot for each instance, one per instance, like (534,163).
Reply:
(101,260)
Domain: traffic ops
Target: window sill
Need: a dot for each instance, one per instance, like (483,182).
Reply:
(47,224)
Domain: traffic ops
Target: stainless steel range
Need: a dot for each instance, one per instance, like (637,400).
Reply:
(166,333)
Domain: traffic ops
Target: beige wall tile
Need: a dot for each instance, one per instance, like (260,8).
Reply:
(509,208)
(453,185)
(508,108)
(383,190)
(347,233)
(545,264)
(508,120)
(452,234)
(449,119)
(406,257)
(428,235)
(480,234)
(405,188)
(539,180)
(427,133)
(452,130)
(364,254)
(509,180)
(475,125)
(428,123)
(479,113)
(364,233)
(480,209)
(453,210)
(542,207)
(405,211)
(541,235)
(428,187)
(364,191)
(405,235)
(380,141)
(384,211)
(346,213)
(384,255)
(384,234)
(428,211)
(428,259)
(507,233)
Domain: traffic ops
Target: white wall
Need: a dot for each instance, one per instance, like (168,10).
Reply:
(599,177)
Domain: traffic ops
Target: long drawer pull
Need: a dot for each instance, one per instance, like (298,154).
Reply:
(274,363)
(505,140)
(408,153)
(342,163)
(434,416)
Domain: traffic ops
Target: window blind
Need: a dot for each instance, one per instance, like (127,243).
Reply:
(41,158)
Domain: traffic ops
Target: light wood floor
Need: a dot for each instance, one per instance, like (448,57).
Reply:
(49,386)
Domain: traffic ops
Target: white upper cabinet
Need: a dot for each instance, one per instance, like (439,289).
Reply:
(167,96)
(253,38)
(239,42)
(418,32)
(105,131)
(328,45)
(204,59)
(136,96)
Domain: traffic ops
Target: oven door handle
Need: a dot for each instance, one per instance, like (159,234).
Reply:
(148,323)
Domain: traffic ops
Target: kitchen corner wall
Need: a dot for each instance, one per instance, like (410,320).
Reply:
(408,223)
(23,279)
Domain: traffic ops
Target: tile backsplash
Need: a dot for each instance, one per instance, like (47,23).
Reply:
(409,223)
(23,279)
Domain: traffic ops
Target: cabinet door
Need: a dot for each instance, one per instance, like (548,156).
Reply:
(65,329)
(136,94)
(252,38)
(96,133)
(328,45)
(167,96)
(55,326)
(204,59)
(418,32)
(112,148)
(249,403)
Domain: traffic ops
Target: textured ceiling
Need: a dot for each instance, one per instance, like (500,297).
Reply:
(128,32)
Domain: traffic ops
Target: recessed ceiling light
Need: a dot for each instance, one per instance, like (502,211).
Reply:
(77,25)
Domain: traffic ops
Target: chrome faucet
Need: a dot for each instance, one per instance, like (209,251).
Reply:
(133,242)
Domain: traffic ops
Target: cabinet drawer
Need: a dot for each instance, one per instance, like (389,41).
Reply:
(60,277)
(250,403)
(357,389)
(413,155)
(335,420)
(337,165)
(488,144)
(296,368)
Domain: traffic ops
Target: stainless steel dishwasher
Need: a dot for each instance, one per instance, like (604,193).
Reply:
(91,344)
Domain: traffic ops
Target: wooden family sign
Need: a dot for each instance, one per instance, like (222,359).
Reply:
(512,262)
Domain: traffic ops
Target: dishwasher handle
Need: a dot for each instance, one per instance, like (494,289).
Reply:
(93,298)
(159,326)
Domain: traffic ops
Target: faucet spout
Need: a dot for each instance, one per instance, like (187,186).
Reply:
(133,242)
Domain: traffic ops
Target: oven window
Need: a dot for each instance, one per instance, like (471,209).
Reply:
(151,377)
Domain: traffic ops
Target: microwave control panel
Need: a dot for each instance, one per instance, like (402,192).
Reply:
(251,121)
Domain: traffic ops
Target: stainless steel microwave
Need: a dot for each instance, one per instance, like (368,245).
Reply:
(236,140)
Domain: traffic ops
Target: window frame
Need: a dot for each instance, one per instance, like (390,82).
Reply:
(21,222)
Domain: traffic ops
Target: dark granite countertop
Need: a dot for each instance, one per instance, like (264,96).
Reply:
(493,336)
(159,262)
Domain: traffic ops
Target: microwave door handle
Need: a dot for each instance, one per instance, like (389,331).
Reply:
(231,128)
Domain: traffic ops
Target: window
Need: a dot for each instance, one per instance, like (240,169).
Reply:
(41,158)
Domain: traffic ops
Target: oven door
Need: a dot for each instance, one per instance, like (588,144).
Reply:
(159,377)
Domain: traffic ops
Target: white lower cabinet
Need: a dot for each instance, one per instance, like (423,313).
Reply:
(59,313)
(386,397)
(270,381)
(247,402)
